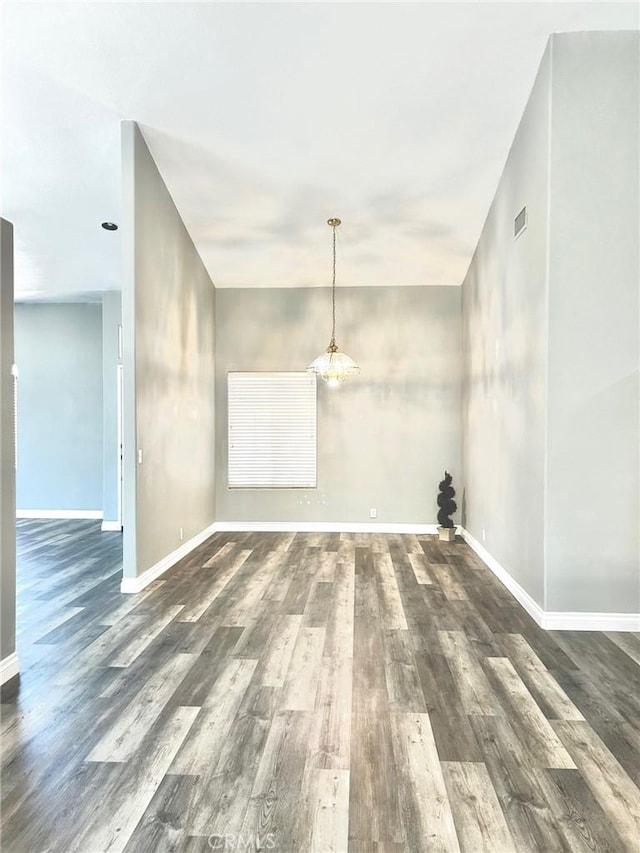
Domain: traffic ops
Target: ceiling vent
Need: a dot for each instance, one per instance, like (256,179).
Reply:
(520,223)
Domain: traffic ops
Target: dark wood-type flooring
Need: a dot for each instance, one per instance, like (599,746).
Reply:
(308,692)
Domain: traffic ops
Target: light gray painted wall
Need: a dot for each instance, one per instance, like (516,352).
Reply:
(111,320)
(59,358)
(7,444)
(504,322)
(385,437)
(551,337)
(169,327)
(593,548)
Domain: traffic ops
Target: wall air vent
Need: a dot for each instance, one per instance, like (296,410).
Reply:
(520,223)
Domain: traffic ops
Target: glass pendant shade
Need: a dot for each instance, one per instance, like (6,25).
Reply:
(333,366)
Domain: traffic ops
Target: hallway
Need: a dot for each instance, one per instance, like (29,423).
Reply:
(298,692)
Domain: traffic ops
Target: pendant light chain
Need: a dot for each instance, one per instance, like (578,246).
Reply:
(333,291)
(332,365)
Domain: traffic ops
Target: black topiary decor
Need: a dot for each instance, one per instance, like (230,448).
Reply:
(446,502)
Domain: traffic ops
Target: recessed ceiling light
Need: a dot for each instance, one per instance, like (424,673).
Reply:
(109,226)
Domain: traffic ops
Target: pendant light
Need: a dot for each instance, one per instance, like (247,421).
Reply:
(333,366)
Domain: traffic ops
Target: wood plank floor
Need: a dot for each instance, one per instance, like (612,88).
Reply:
(308,692)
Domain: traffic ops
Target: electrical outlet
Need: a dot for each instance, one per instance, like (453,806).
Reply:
(181,533)
(483,535)
(140,456)
(373,512)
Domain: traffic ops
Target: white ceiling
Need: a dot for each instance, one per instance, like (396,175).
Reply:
(265,119)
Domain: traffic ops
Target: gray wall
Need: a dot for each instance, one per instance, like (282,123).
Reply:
(168,309)
(111,320)
(7,457)
(504,322)
(593,547)
(385,437)
(59,358)
(551,338)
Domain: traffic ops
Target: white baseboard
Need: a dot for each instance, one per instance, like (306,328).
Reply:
(551,621)
(9,667)
(59,513)
(568,621)
(137,584)
(133,585)
(547,619)
(519,593)
(111,526)
(323,527)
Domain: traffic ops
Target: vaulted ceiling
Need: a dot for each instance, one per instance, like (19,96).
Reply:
(265,119)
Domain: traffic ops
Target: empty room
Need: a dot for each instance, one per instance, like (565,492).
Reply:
(320,427)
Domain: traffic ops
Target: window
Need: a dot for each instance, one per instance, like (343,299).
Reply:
(272,430)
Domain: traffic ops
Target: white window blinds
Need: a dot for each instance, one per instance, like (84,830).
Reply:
(272,430)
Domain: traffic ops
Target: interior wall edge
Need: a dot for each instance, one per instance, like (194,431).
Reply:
(7,446)
(128,307)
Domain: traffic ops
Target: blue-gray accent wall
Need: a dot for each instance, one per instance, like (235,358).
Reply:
(59,358)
